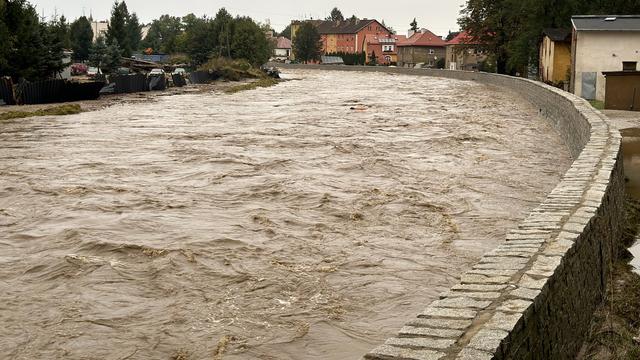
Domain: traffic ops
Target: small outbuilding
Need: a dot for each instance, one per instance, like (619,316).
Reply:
(555,56)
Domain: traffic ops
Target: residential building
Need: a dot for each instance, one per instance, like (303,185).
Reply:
(602,44)
(99,28)
(282,50)
(555,56)
(383,47)
(422,48)
(464,53)
(346,36)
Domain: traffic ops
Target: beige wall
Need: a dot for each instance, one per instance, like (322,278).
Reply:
(603,51)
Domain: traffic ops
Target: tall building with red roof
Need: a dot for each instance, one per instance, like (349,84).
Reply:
(422,47)
(346,36)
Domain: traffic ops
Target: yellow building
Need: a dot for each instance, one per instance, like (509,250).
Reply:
(555,56)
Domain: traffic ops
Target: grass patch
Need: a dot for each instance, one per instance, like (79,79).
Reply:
(262,83)
(57,110)
(616,323)
(231,70)
(597,104)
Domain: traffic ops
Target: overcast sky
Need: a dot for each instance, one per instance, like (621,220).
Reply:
(438,16)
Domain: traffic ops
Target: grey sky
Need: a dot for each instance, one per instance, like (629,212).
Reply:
(437,15)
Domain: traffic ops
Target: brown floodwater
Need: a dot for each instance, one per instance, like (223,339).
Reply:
(304,221)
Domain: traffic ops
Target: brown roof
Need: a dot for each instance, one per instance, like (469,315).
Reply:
(341,27)
(558,34)
(424,38)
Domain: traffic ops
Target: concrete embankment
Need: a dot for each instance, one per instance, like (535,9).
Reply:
(532,297)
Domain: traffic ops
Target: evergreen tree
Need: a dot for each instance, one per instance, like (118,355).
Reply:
(24,48)
(112,58)
(134,32)
(5,46)
(286,32)
(414,25)
(81,35)
(336,15)
(98,52)
(118,32)
(307,46)
(51,59)
(60,28)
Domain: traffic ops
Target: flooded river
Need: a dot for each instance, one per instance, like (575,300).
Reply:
(305,221)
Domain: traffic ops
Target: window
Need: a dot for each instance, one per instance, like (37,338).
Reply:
(431,51)
(629,65)
(387,48)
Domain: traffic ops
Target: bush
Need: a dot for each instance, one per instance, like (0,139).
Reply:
(232,70)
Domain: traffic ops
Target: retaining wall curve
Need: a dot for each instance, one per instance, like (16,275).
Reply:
(532,297)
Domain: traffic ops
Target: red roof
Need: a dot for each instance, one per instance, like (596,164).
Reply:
(424,38)
(283,43)
(463,38)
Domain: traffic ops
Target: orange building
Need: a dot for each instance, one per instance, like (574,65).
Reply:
(383,47)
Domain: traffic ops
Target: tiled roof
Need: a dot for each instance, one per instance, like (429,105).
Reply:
(463,38)
(341,27)
(283,43)
(606,22)
(424,38)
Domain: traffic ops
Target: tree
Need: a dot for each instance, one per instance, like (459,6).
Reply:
(112,58)
(307,46)
(373,59)
(414,25)
(249,42)
(452,35)
(60,30)
(199,39)
(98,52)
(164,33)
(24,53)
(81,36)
(336,15)
(53,47)
(134,33)
(286,32)
(512,29)
(117,31)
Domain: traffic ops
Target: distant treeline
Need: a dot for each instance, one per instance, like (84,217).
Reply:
(33,49)
(512,29)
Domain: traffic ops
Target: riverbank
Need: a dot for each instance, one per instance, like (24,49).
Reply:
(615,328)
(106,101)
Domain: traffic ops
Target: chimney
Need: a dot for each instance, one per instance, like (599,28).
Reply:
(410,33)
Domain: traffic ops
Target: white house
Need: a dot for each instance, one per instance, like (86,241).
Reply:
(601,44)
(282,50)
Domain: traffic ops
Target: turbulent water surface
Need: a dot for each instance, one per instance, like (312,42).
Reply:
(305,221)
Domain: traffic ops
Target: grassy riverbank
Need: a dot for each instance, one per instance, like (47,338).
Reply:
(67,109)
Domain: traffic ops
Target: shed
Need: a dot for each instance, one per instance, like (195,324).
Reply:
(623,90)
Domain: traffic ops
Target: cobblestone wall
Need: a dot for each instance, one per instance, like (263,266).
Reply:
(533,296)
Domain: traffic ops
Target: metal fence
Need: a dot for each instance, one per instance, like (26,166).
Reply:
(56,90)
(129,83)
(6,91)
(200,77)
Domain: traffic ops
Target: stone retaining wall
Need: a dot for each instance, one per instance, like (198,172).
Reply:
(533,297)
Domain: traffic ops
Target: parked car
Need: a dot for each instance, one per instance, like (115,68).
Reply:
(157,72)
(93,72)
(180,71)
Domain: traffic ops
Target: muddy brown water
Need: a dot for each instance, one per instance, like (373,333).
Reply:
(304,221)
